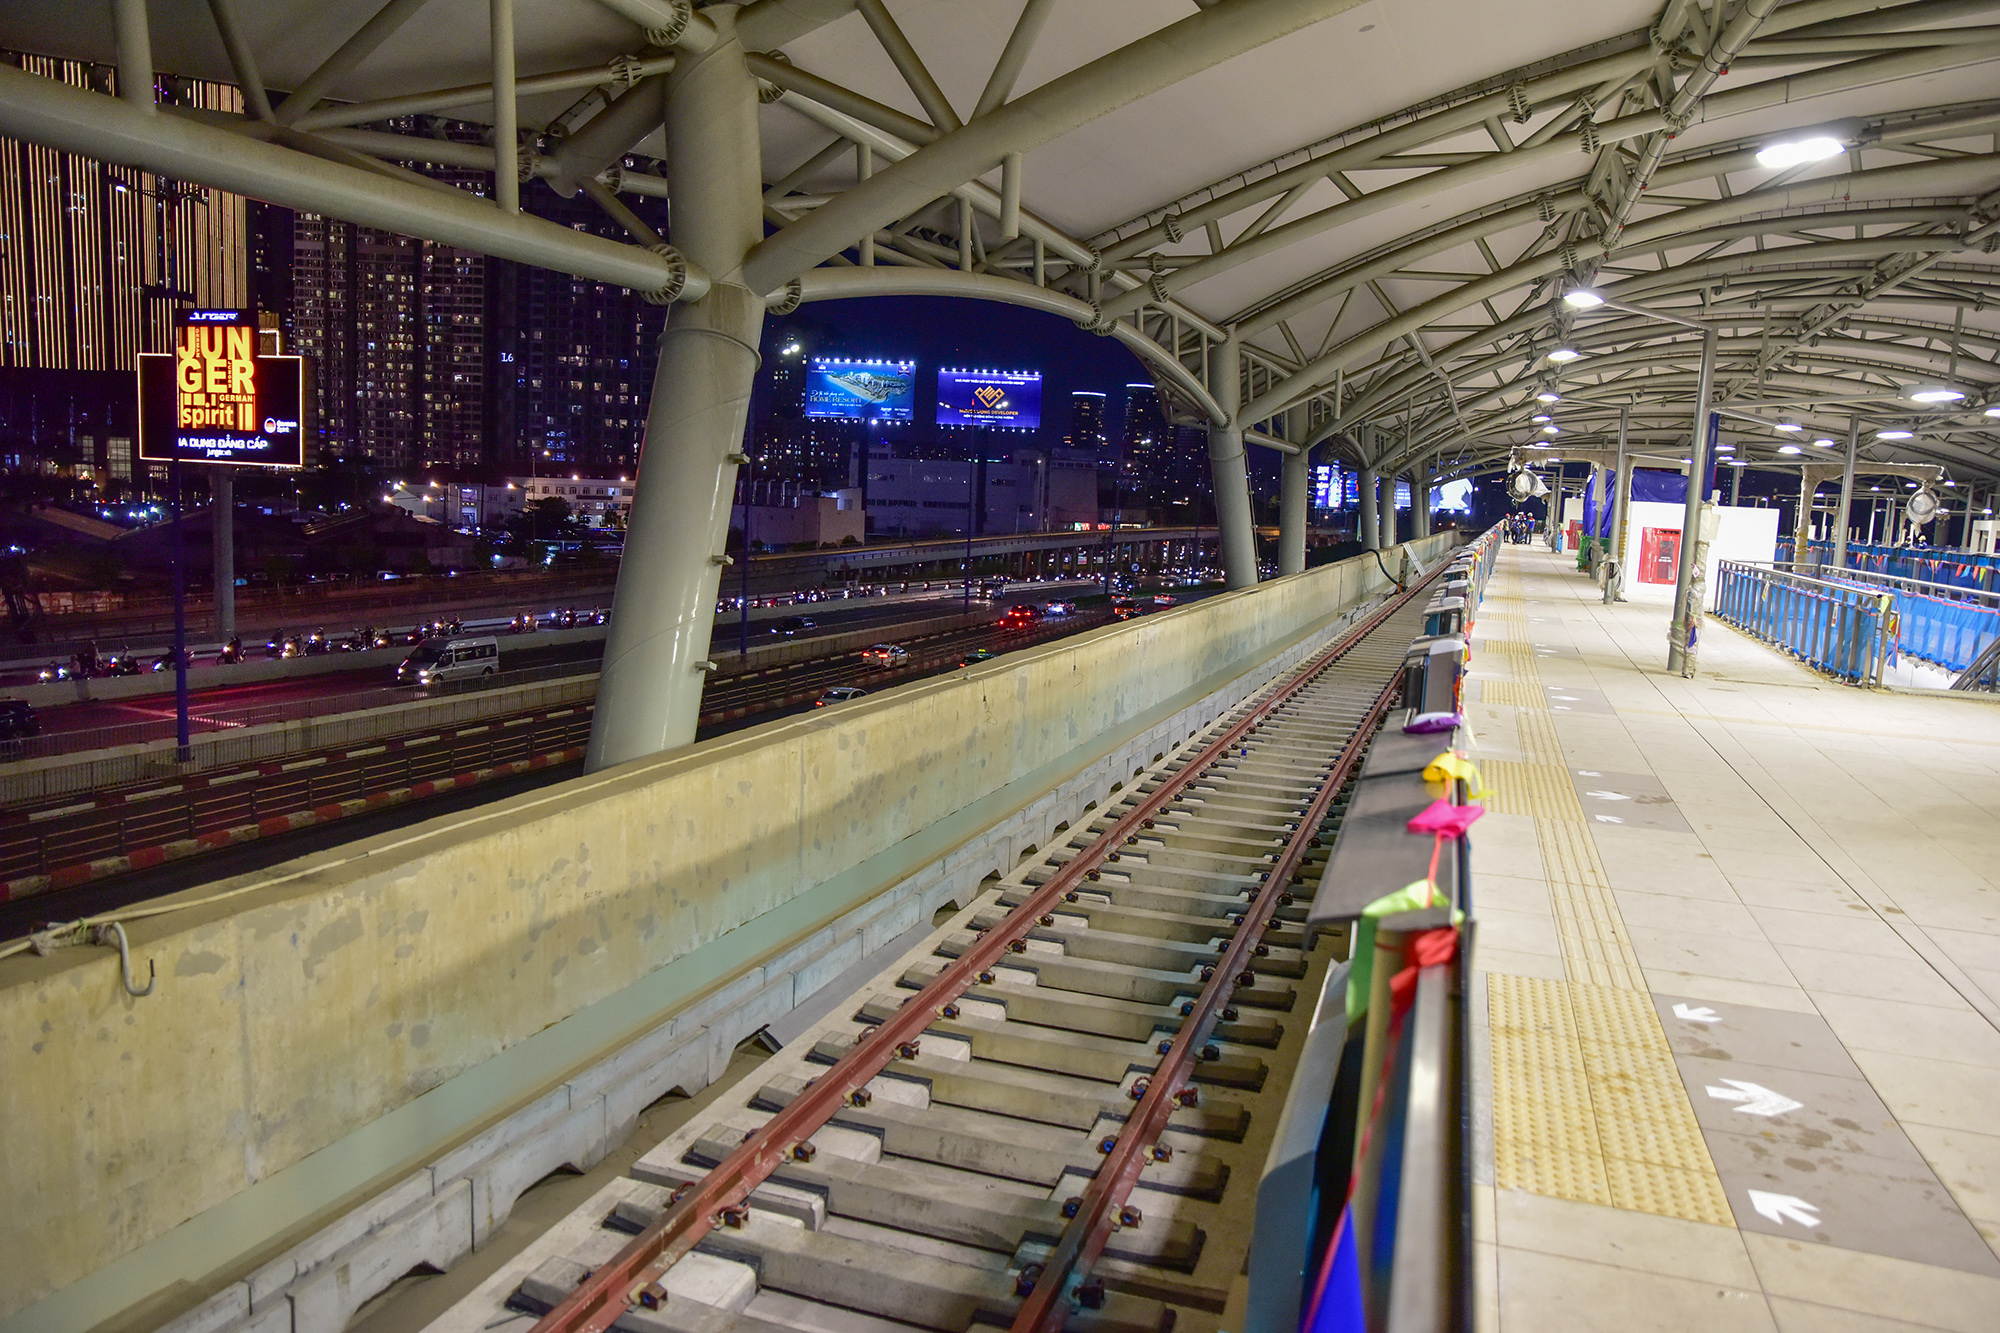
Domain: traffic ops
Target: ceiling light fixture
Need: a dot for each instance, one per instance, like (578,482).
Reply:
(1548,396)
(1935,393)
(1540,417)
(1564,354)
(1822,443)
(1582,299)
(1797,152)
(1788,426)
(1789,449)
(1894,434)
(1993,411)
(1552,430)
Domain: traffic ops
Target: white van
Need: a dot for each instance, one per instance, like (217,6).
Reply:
(436,660)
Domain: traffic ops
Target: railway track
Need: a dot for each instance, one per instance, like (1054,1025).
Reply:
(1052,1114)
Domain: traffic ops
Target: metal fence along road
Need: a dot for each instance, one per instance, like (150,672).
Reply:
(1840,628)
(91,830)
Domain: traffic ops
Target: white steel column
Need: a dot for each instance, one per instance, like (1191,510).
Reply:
(649,696)
(1841,519)
(1229,473)
(506,128)
(1292,512)
(1621,487)
(1387,510)
(135,52)
(1683,647)
(1370,524)
(1420,499)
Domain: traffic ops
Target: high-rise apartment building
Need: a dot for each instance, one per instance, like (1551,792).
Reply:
(572,360)
(1145,419)
(396,329)
(1087,424)
(94,261)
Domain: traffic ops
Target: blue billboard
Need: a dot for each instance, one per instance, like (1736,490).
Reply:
(999,399)
(861,390)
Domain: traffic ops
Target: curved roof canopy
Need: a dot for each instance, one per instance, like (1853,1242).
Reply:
(1381,204)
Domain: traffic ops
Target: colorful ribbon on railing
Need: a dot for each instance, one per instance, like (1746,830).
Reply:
(1338,1304)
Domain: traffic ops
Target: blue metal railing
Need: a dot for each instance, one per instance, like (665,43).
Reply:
(1951,568)
(1948,624)
(1844,629)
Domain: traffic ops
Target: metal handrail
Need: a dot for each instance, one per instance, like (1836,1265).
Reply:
(1949,591)
(1838,627)
(1982,674)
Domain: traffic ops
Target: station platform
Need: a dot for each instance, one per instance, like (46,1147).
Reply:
(1737,986)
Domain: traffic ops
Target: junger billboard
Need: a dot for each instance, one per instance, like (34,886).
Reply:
(214,400)
(1007,399)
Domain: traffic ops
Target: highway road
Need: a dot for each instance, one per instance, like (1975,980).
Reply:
(372,686)
(223,805)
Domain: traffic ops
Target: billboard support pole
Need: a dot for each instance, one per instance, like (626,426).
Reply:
(222,518)
(183,751)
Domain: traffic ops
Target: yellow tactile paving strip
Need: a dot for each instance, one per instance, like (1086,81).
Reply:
(1587,1103)
(1509,693)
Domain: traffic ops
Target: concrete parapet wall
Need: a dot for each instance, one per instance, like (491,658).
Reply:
(677,902)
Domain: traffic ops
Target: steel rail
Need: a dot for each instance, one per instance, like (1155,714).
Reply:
(723,1194)
(1056,1291)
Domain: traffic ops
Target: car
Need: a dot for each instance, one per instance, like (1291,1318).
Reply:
(838,694)
(1058,608)
(1165,599)
(18,720)
(1128,611)
(1024,616)
(794,625)
(976,656)
(886,655)
(439,659)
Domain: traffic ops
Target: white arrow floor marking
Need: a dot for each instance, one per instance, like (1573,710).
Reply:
(1697,1015)
(1783,1208)
(1608,819)
(1755,1099)
(1608,795)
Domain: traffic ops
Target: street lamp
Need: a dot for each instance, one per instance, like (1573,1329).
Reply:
(1683,630)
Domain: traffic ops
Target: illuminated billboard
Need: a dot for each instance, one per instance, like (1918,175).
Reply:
(1326,491)
(861,390)
(213,399)
(1338,487)
(1002,399)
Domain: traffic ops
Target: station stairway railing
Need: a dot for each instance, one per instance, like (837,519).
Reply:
(1949,625)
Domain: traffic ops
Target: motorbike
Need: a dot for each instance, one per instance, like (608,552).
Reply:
(167,661)
(231,654)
